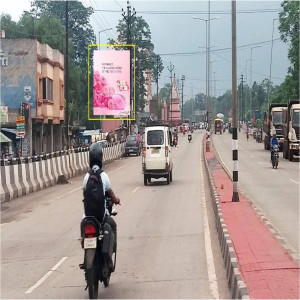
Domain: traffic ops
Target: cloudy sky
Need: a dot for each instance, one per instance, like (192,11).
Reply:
(175,31)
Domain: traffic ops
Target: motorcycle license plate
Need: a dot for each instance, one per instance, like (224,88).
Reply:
(90,243)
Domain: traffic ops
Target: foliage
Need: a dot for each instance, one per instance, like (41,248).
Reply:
(145,58)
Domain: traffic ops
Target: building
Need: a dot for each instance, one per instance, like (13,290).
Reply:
(33,77)
(174,109)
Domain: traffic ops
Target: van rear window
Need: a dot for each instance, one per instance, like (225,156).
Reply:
(155,137)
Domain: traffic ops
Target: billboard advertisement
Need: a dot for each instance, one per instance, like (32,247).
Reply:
(111,83)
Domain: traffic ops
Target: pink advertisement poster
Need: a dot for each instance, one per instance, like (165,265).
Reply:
(111,93)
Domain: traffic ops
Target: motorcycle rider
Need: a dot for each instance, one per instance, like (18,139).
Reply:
(175,136)
(247,131)
(189,135)
(96,156)
(273,142)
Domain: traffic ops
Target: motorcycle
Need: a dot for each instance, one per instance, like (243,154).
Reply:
(175,140)
(190,138)
(258,137)
(98,242)
(275,157)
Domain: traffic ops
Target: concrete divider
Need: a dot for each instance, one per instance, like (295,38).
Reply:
(237,285)
(26,175)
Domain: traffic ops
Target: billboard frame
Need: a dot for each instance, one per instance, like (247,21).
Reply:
(116,118)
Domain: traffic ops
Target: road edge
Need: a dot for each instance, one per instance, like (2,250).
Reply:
(283,242)
(237,285)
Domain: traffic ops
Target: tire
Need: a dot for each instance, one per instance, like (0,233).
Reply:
(171,176)
(106,280)
(168,178)
(285,150)
(92,282)
(145,179)
(290,155)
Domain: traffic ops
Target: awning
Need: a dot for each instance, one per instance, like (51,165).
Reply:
(4,138)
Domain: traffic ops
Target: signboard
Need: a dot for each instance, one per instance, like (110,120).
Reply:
(25,111)
(111,93)
(20,122)
(27,93)
(3,114)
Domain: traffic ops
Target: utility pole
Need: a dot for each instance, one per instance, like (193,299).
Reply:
(242,97)
(208,66)
(171,68)
(182,83)
(235,196)
(129,18)
(67,75)
(157,60)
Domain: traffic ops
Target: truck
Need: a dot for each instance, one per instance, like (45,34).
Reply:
(291,132)
(273,124)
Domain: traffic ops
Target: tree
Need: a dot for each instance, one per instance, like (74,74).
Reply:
(145,58)
(289,33)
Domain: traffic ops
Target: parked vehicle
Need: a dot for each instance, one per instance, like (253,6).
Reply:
(275,157)
(291,132)
(97,240)
(157,159)
(273,124)
(132,146)
(218,125)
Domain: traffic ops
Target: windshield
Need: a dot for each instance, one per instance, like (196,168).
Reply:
(155,137)
(277,118)
(295,120)
(131,138)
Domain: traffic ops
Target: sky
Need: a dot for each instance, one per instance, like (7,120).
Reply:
(179,33)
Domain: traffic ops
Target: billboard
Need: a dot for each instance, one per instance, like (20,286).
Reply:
(111,83)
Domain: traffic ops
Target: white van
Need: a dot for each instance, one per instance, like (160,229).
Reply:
(157,154)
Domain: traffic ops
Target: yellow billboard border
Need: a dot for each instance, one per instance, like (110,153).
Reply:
(111,45)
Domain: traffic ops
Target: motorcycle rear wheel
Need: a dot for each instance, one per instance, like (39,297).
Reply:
(92,282)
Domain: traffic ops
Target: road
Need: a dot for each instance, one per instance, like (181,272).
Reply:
(167,243)
(274,192)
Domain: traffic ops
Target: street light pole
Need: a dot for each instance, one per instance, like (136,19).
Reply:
(251,58)
(235,195)
(270,77)
(182,80)
(170,104)
(99,35)
(207,58)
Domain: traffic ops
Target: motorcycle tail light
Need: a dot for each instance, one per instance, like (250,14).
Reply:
(167,151)
(89,230)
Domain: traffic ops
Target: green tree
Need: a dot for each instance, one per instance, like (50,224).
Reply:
(289,33)
(145,58)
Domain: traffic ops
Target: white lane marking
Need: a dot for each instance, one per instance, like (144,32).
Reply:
(212,278)
(46,276)
(135,190)
(252,156)
(260,162)
(294,181)
(70,192)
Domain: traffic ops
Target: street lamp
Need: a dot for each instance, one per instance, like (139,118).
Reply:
(270,77)
(251,59)
(207,55)
(99,35)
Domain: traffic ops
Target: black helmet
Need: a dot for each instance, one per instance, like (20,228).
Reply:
(96,155)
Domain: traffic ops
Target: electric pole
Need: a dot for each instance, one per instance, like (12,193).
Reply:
(129,18)
(157,60)
(182,80)
(242,97)
(67,75)
(171,68)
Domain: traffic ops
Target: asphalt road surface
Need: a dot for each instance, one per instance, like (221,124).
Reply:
(274,191)
(167,243)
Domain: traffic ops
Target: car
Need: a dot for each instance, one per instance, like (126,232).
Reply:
(104,143)
(132,145)
(157,159)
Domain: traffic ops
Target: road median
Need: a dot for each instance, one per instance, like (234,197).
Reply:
(257,265)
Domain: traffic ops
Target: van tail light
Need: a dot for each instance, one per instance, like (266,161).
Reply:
(90,230)
(144,151)
(167,151)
